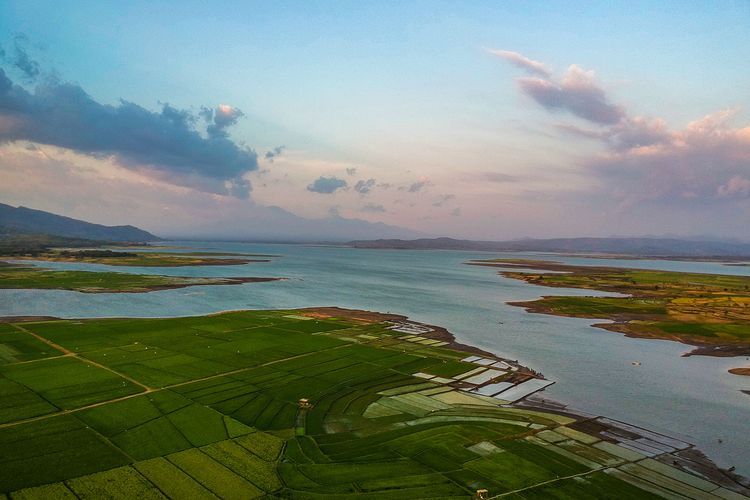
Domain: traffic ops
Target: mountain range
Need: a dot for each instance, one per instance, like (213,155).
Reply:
(638,246)
(27,220)
(276,224)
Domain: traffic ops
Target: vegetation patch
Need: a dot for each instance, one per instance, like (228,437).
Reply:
(103,282)
(263,403)
(144,259)
(700,309)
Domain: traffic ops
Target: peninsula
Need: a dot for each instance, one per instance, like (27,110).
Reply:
(709,311)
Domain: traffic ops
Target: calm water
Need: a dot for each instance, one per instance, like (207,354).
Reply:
(692,398)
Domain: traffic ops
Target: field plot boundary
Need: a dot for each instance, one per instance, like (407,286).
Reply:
(329,406)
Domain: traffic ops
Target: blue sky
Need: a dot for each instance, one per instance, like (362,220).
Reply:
(405,93)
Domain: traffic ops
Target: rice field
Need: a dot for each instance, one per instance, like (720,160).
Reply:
(209,407)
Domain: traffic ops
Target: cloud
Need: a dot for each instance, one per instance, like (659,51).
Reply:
(577,92)
(20,59)
(326,185)
(498,177)
(274,153)
(708,161)
(643,160)
(164,143)
(219,119)
(626,134)
(736,186)
(373,208)
(364,187)
(443,199)
(351,171)
(417,186)
(529,65)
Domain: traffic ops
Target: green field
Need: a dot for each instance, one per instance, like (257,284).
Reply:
(207,407)
(689,307)
(144,259)
(101,282)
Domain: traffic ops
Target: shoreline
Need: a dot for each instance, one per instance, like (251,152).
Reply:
(619,325)
(630,324)
(196,262)
(158,288)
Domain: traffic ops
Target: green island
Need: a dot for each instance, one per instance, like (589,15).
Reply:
(710,311)
(312,403)
(17,276)
(144,259)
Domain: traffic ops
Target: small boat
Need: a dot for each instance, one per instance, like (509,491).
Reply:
(635,363)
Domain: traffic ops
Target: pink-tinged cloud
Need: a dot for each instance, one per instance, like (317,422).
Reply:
(708,161)
(520,61)
(736,186)
(577,93)
(628,133)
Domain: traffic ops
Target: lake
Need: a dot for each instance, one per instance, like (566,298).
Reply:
(691,398)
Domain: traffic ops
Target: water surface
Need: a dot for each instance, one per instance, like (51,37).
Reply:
(691,398)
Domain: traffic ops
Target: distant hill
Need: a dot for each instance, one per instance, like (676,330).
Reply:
(646,247)
(13,242)
(30,221)
(274,224)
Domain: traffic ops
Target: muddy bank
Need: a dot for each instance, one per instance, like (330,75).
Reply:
(435,332)
(621,324)
(156,288)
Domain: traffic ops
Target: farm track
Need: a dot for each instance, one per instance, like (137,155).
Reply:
(146,390)
(85,360)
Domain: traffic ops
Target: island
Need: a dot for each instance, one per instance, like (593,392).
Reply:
(24,277)
(140,259)
(709,311)
(308,403)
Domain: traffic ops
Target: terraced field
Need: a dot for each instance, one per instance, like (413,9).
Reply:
(302,404)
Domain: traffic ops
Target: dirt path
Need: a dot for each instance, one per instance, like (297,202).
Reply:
(147,389)
(68,352)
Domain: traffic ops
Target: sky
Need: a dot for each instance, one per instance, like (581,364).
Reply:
(303,119)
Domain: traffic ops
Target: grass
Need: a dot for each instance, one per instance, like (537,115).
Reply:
(688,307)
(16,346)
(242,462)
(20,277)
(52,450)
(214,476)
(19,402)
(172,480)
(114,484)
(68,382)
(215,422)
(145,259)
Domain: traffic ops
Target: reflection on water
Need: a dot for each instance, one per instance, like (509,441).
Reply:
(692,398)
